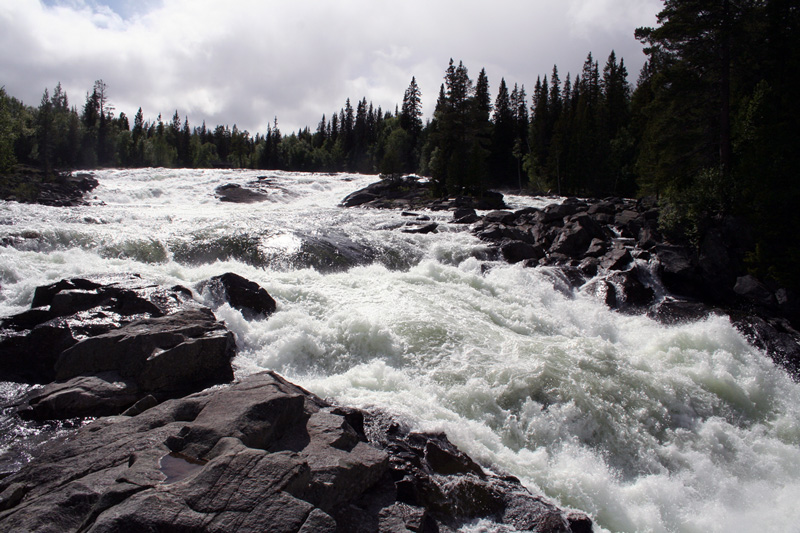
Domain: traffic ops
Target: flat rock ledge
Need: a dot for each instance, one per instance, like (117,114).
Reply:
(262,455)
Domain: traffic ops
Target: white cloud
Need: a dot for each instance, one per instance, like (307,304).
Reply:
(246,61)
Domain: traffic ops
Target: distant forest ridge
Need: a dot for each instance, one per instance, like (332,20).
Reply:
(508,134)
(710,128)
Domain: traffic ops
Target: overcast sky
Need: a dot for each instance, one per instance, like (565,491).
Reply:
(246,61)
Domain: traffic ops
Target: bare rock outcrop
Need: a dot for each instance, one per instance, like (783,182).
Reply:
(262,455)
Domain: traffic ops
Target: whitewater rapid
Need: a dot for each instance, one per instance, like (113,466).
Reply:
(646,427)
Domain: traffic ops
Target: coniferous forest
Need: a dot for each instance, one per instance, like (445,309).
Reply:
(709,129)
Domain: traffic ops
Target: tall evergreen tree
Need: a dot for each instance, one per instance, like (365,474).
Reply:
(411,112)
(502,165)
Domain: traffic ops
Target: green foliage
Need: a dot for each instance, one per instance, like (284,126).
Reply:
(717,113)
(7,133)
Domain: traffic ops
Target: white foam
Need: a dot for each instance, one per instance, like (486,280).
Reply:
(646,427)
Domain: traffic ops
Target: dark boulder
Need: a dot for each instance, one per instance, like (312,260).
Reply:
(606,207)
(430,473)
(597,248)
(84,396)
(484,201)
(358,198)
(576,236)
(629,222)
(516,251)
(423,229)
(491,232)
(237,194)
(677,311)
(73,309)
(499,217)
(167,355)
(603,291)
(163,357)
(678,270)
(775,336)
(750,288)
(411,192)
(631,293)
(29,356)
(555,212)
(401,193)
(617,259)
(241,293)
(465,215)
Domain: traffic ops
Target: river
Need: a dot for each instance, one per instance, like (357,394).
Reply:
(645,427)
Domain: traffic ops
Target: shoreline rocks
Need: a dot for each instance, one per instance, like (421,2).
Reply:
(263,454)
(101,345)
(31,185)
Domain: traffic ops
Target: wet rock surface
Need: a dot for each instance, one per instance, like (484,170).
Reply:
(237,194)
(410,192)
(262,454)
(243,294)
(71,310)
(31,185)
(101,345)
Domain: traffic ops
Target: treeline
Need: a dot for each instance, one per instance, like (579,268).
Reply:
(710,128)
(473,141)
(56,135)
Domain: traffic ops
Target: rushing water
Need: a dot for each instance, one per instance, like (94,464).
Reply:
(645,427)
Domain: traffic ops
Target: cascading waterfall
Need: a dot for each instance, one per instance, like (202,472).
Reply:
(645,427)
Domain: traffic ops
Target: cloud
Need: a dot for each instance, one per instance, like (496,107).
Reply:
(246,61)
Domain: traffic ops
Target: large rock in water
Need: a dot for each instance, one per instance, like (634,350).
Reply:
(235,193)
(241,293)
(261,455)
(103,347)
(165,357)
(69,310)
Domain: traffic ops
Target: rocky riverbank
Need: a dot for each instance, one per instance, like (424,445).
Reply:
(259,454)
(614,250)
(32,185)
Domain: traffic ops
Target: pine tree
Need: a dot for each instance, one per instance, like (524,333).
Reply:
(44,132)
(501,163)
(411,112)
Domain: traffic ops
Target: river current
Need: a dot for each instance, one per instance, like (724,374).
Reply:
(646,427)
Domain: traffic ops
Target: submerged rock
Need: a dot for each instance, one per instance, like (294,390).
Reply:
(235,193)
(258,455)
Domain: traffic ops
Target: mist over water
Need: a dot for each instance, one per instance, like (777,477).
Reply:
(645,427)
